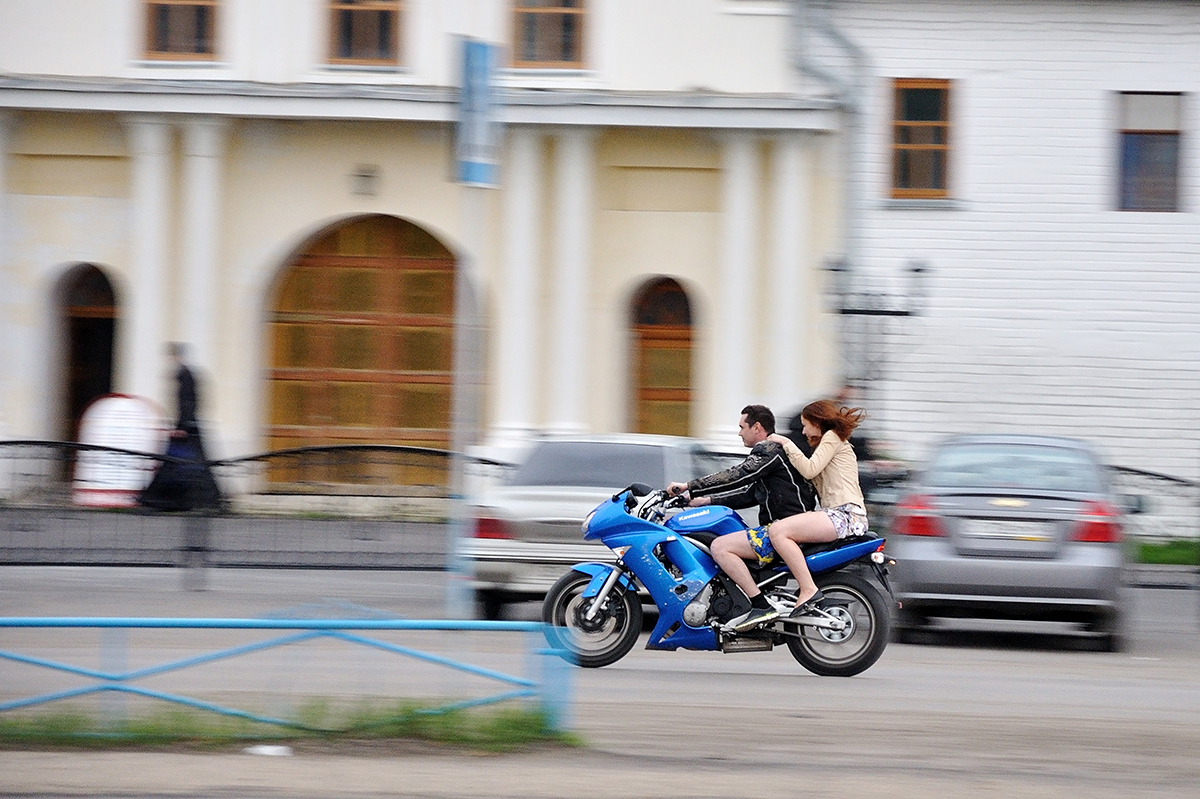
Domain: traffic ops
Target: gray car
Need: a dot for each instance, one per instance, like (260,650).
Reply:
(527,530)
(1010,527)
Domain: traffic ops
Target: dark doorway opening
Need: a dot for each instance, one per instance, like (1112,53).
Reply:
(90,315)
(662,359)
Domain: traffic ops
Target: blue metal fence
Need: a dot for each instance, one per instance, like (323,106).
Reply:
(550,684)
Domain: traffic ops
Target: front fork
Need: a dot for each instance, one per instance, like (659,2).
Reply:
(602,594)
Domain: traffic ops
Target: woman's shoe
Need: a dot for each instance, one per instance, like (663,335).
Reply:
(810,606)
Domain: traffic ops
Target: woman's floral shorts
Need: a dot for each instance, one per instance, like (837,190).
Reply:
(847,520)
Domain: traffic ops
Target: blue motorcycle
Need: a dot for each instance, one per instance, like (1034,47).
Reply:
(594,611)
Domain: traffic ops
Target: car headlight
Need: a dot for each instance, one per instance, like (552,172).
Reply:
(586,522)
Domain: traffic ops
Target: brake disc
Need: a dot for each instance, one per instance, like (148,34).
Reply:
(842,615)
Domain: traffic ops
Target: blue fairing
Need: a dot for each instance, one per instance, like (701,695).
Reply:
(825,561)
(612,524)
(610,518)
(599,573)
(709,519)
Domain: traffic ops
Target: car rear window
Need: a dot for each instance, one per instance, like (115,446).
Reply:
(593,465)
(705,462)
(1015,466)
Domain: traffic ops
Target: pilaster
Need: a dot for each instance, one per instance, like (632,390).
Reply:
(8,360)
(516,319)
(734,313)
(790,223)
(141,341)
(203,165)
(574,178)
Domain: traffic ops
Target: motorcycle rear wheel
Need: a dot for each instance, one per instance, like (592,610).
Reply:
(606,638)
(850,651)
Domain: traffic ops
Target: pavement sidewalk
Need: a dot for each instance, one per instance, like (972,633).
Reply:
(657,751)
(962,719)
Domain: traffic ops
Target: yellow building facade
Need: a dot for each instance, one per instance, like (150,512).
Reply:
(285,205)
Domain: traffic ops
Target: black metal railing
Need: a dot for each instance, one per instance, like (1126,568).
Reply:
(355,506)
(361,506)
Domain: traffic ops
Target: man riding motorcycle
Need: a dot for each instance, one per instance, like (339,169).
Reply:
(765,478)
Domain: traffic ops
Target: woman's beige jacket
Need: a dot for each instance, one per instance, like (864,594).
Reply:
(833,470)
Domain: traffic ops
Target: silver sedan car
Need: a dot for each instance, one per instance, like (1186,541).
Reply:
(527,530)
(1010,527)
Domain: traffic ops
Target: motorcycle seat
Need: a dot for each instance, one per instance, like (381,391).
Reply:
(704,540)
(827,546)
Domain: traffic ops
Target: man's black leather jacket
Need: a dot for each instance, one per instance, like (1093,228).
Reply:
(765,478)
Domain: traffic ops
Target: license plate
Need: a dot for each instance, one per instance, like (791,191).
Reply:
(1008,530)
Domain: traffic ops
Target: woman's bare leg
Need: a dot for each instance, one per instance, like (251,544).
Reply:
(787,535)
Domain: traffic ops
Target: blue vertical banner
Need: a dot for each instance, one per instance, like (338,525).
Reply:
(477,149)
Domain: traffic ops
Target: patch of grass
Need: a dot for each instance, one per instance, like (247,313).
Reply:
(72,728)
(1173,553)
(500,729)
(493,729)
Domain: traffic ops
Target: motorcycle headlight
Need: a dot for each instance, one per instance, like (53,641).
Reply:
(586,522)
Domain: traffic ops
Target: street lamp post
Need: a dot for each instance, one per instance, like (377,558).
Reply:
(866,325)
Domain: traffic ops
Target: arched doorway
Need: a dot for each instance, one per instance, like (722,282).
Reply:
(88,309)
(361,339)
(662,358)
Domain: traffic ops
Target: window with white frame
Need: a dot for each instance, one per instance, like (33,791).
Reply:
(178,30)
(1149,156)
(548,34)
(365,32)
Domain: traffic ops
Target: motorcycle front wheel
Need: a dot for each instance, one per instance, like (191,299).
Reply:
(606,637)
(847,652)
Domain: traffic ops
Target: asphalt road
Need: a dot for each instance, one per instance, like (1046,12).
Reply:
(971,713)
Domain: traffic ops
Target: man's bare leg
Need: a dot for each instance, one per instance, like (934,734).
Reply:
(731,551)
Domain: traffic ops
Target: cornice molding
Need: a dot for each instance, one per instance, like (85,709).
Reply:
(417,103)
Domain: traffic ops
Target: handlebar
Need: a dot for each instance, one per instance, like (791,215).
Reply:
(676,502)
(653,503)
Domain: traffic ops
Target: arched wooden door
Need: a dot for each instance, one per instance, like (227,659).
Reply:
(362,339)
(89,313)
(662,359)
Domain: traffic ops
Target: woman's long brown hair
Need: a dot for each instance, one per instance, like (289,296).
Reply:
(829,415)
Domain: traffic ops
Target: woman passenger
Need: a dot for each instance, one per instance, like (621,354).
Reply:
(833,470)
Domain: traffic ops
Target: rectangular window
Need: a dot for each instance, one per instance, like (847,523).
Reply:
(921,139)
(548,34)
(1150,152)
(365,32)
(181,29)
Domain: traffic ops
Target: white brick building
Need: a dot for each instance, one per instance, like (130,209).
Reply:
(1049,309)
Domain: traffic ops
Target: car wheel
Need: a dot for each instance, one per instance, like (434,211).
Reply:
(489,605)
(1110,633)
(910,628)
